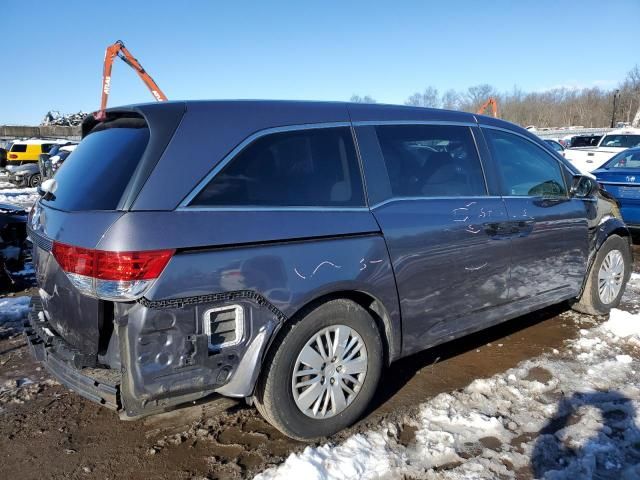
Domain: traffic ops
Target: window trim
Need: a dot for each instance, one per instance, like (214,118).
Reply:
(545,149)
(470,127)
(184,204)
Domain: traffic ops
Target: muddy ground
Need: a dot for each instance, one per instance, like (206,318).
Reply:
(47,431)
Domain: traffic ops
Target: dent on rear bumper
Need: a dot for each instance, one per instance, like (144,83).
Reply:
(99,385)
(166,359)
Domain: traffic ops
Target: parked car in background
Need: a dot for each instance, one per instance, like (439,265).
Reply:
(584,141)
(620,177)
(265,269)
(25,175)
(27,151)
(590,158)
(13,248)
(53,162)
(44,163)
(556,145)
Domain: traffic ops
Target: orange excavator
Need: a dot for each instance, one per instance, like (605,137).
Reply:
(118,49)
(494,107)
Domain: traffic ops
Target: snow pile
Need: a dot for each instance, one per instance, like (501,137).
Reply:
(623,325)
(25,197)
(13,313)
(566,415)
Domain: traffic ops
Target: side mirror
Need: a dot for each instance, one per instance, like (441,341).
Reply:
(582,186)
(48,188)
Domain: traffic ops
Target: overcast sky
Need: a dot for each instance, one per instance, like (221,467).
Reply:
(52,52)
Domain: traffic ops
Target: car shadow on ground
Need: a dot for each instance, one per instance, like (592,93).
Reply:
(613,448)
(445,375)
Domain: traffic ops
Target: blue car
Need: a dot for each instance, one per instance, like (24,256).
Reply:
(620,176)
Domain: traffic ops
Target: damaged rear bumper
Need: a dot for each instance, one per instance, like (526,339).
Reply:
(163,360)
(98,385)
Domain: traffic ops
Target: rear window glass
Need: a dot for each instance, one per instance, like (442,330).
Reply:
(626,159)
(96,175)
(315,167)
(19,148)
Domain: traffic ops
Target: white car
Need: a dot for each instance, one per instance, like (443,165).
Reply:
(588,159)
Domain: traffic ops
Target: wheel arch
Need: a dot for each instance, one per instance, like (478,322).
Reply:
(606,229)
(390,332)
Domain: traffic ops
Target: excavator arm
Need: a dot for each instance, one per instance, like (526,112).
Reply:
(118,49)
(494,107)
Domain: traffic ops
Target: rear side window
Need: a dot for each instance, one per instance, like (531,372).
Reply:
(525,169)
(46,147)
(431,160)
(304,168)
(19,147)
(96,175)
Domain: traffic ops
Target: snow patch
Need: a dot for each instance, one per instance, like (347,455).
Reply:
(565,415)
(622,324)
(24,197)
(13,312)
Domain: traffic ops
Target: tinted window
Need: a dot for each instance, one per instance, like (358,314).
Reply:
(525,168)
(96,175)
(46,147)
(620,141)
(19,147)
(555,145)
(316,167)
(431,160)
(626,159)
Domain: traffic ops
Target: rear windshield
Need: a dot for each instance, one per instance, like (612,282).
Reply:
(96,175)
(19,147)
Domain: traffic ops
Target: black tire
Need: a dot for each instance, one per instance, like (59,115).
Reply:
(274,393)
(590,301)
(34,180)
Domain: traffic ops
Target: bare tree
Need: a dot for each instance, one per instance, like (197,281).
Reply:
(451,100)
(358,99)
(477,95)
(428,98)
(589,107)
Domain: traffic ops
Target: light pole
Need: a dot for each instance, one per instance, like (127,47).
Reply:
(616,95)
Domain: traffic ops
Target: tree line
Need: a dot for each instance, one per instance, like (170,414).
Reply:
(557,107)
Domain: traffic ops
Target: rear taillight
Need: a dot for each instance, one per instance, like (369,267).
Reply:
(13,156)
(111,275)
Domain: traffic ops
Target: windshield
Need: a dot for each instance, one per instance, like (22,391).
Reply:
(627,159)
(96,175)
(621,141)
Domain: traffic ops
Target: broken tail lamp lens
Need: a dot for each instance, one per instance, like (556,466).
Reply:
(118,276)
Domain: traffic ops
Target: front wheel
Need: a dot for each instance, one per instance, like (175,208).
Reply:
(34,181)
(322,372)
(607,278)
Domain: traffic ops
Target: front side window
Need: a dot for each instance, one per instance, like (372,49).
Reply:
(431,161)
(19,147)
(525,169)
(302,168)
